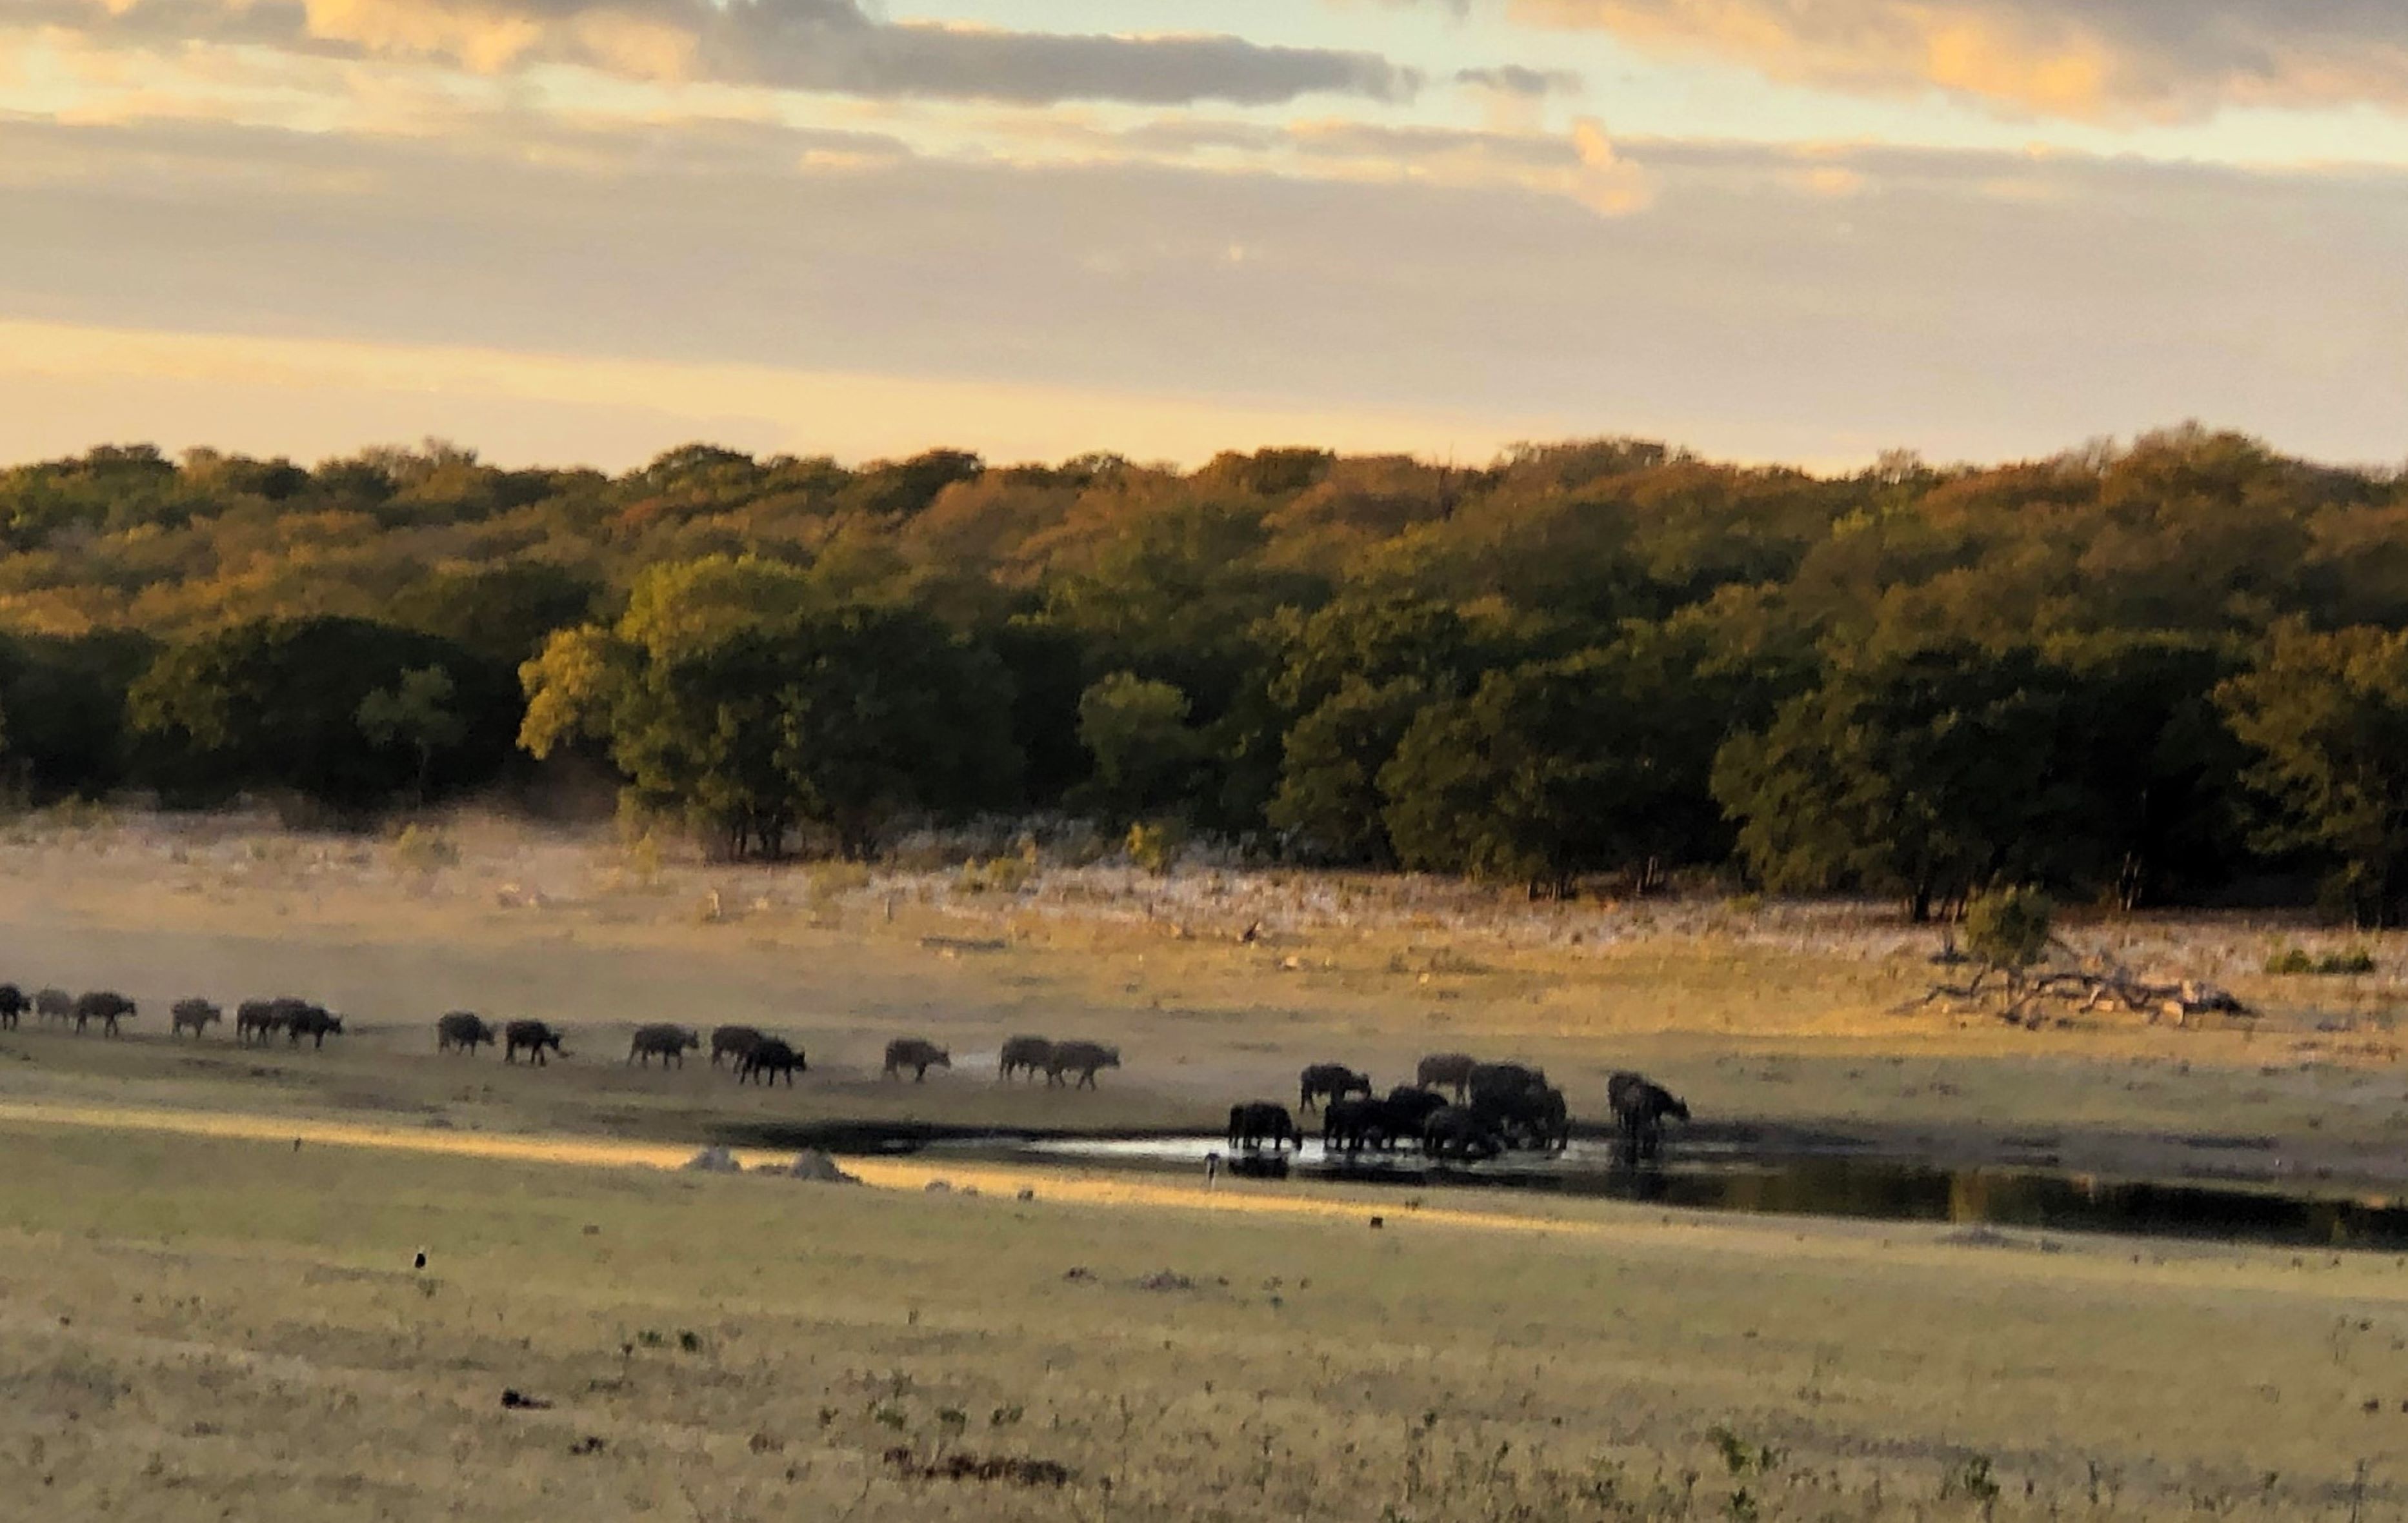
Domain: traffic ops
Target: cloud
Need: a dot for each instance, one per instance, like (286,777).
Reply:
(1515,79)
(815,44)
(2091,59)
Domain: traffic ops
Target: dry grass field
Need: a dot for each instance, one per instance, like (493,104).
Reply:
(230,1325)
(203,1329)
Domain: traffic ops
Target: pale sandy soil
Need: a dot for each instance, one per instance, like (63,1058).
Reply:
(1784,1018)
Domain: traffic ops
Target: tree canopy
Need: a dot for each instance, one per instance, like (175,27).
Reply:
(2162,671)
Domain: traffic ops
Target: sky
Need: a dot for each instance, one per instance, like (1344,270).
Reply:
(1807,231)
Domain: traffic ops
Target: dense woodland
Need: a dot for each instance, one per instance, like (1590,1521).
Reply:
(2170,673)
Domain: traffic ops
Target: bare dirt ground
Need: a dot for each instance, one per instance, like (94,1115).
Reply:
(1779,1022)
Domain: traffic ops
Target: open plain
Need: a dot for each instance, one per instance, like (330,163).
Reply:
(232,1324)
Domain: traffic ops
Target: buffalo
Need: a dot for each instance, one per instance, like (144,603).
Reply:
(1353,1124)
(916,1055)
(1458,1134)
(1083,1059)
(52,1004)
(106,1006)
(465,1031)
(13,1004)
(663,1041)
(1251,1125)
(770,1057)
(257,1020)
(733,1042)
(1028,1054)
(314,1021)
(194,1016)
(532,1036)
(1333,1081)
(1640,1107)
(1384,1122)
(1447,1070)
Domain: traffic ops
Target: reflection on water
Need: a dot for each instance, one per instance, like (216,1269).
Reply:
(1705,1178)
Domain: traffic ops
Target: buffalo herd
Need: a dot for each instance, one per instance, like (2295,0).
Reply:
(255,1020)
(1459,1110)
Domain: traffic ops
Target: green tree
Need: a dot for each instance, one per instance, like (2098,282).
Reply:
(1926,772)
(416,712)
(1528,780)
(277,704)
(839,720)
(2327,714)
(1137,730)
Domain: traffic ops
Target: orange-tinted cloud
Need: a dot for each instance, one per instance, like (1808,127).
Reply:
(2092,59)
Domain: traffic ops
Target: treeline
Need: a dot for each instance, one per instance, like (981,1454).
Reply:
(2176,672)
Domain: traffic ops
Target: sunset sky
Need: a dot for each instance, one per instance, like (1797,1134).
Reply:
(1804,230)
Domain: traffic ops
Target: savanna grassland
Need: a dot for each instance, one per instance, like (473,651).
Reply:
(218,1328)
(230,1325)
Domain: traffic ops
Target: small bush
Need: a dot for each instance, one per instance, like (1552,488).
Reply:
(2293,961)
(1156,847)
(995,874)
(2010,928)
(423,852)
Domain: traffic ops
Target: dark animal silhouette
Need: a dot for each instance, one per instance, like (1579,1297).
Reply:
(1353,1124)
(918,1056)
(1253,1124)
(52,1004)
(106,1006)
(1640,1107)
(314,1021)
(1497,1081)
(465,1031)
(257,1020)
(663,1041)
(770,1057)
(1447,1070)
(1458,1134)
(1083,1059)
(1334,1081)
(532,1036)
(1409,1106)
(732,1042)
(1520,1107)
(194,1016)
(13,1004)
(1027,1055)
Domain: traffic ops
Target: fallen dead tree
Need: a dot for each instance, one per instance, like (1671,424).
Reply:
(2010,934)
(2025,997)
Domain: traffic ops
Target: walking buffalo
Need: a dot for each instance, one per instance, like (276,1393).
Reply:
(918,1056)
(464,1030)
(1028,1054)
(770,1057)
(257,1020)
(194,1016)
(106,1006)
(1083,1059)
(1251,1125)
(733,1042)
(1332,1081)
(13,1004)
(531,1037)
(52,1004)
(1447,1070)
(663,1041)
(314,1021)
(1640,1107)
